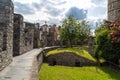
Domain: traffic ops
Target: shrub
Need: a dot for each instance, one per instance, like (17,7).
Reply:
(105,48)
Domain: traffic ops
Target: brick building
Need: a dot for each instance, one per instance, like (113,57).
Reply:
(49,34)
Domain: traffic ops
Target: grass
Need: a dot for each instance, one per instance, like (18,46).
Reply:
(81,51)
(77,73)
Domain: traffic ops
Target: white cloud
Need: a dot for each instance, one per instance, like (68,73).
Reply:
(26,1)
(55,10)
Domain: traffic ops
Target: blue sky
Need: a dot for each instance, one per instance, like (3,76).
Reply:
(53,11)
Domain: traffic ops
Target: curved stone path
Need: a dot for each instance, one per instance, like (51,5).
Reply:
(21,67)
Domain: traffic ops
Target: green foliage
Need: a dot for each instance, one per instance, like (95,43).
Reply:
(77,73)
(103,42)
(67,33)
(80,51)
(100,28)
(73,30)
(105,48)
(82,31)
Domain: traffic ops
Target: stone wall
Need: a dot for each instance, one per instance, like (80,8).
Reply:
(113,9)
(68,59)
(37,36)
(18,35)
(23,35)
(36,65)
(28,36)
(6,32)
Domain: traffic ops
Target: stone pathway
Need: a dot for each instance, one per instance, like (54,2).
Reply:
(20,68)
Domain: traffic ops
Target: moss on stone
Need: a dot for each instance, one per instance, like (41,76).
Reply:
(81,51)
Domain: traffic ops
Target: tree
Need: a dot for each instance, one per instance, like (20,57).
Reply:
(73,30)
(67,32)
(82,31)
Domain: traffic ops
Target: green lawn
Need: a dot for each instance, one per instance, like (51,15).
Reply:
(81,51)
(77,73)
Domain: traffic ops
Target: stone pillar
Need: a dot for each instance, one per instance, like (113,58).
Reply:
(18,44)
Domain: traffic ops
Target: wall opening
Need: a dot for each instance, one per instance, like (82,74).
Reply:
(77,63)
(53,62)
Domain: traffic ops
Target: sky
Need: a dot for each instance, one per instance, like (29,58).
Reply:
(54,11)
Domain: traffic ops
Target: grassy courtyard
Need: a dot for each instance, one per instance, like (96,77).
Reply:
(77,73)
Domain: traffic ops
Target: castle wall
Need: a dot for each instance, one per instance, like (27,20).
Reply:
(23,35)
(28,36)
(18,35)
(37,36)
(6,32)
(113,9)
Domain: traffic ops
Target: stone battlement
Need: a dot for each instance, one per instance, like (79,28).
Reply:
(16,36)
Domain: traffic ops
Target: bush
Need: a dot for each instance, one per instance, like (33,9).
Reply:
(105,48)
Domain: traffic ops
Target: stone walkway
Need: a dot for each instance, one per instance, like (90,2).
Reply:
(20,68)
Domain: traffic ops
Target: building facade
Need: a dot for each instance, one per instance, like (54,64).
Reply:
(113,9)
(49,35)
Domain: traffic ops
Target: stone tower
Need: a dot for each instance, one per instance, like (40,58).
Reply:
(18,32)
(113,9)
(6,32)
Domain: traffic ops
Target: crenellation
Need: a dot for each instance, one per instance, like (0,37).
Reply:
(23,35)
(17,37)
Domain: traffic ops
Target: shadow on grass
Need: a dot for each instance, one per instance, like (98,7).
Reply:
(112,73)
